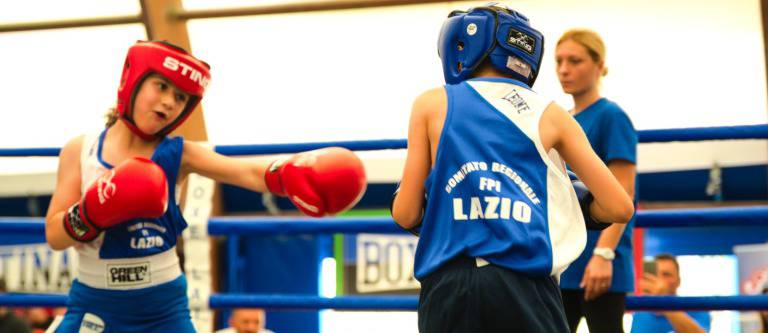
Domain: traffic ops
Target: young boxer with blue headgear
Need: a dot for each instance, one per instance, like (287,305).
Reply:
(115,195)
(501,220)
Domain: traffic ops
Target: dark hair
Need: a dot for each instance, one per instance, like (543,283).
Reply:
(111,117)
(667,256)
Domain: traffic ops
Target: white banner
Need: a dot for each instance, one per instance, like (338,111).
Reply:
(385,263)
(197,247)
(35,268)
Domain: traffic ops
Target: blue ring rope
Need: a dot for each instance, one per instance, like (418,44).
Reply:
(645,136)
(299,147)
(302,225)
(704,133)
(409,303)
(704,303)
(389,303)
(671,218)
(703,217)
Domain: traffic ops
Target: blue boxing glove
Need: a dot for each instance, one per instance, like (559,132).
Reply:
(416,231)
(585,199)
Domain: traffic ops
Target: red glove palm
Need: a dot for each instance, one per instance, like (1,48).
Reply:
(136,188)
(319,182)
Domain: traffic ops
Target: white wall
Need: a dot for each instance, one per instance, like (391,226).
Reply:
(352,75)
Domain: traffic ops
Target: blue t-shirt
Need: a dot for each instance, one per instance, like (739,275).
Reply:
(613,137)
(649,322)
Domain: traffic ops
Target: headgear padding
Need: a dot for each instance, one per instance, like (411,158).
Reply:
(175,64)
(495,32)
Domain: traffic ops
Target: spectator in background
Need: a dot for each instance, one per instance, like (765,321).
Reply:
(665,282)
(39,318)
(247,320)
(595,285)
(10,323)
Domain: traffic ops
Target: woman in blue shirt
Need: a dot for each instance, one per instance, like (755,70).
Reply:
(595,285)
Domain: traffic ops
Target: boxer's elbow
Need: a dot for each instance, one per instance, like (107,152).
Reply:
(55,242)
(406,216)
(622,212)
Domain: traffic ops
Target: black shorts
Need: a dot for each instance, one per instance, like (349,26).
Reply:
(604,314)
(462,297)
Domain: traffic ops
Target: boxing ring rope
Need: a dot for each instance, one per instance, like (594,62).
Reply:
(743,132)
(704,133)
(408,303)
(740,216)
(245,225)
(228,301)
(672,218)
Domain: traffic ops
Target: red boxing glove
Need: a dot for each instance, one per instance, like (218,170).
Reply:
(135,188)
(319,182)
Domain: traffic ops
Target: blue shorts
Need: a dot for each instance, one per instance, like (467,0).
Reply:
(162,308)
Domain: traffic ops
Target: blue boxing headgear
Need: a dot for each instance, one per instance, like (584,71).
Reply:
(492,32)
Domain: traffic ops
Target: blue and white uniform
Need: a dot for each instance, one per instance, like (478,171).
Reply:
(129,278)
(494,192)
(502,219)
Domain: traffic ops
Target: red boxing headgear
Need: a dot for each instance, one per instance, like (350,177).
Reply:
(186,72)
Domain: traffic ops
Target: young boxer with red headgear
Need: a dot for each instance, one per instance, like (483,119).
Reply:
(115,196)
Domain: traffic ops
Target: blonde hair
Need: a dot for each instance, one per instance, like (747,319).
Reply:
(591,40)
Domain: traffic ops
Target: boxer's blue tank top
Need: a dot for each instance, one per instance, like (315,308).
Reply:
(493,191)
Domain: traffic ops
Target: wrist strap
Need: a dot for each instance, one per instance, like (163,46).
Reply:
(77,225)
(591,222)
(272,178)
